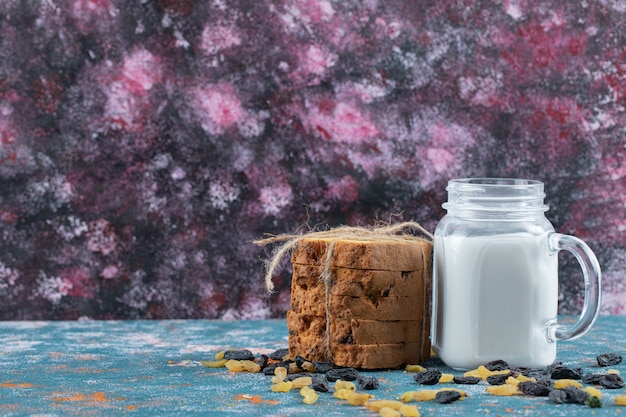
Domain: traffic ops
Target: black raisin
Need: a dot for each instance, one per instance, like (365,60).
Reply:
(291,377)
(323,367)
(429,377)
(263,361)
(557,396)
(466,380)
(612,381)
(368,382)
(269,370)
(575,395)
(563,372)
(497,365)
(592,378)
(320,383)
(345,374)
(299,361)
(523,370)
(447,396)
(609,359)
(499,379)
(239,355)
(279,354)
(283,364)
(534,389)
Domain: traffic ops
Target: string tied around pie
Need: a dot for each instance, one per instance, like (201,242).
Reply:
(399,232)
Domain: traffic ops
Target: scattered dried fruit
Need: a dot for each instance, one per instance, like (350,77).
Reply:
(341,384)
(269,370)
(377,405)
(368,382)
(242,366)
(593,391)
(563,372)
(483,373)
(302,381)
(299,360)
(308,366)
(284,386)
(609,359)
(423,395)
(320,383)
(429,377)
(563,383)
(612,381)
(407,396)
(288,375)
(389,412)
(293,377)
(535,389)
(447,396)
(466,380)
(355,398)
(592,378)
(280,374)
(347,374)
(342,393)
(238,355)
(409,411)
(214,364)
(498,379)
(575,395)
(414,368)
(522,370)
(293,368)
(279,354)
(309,396)
(497,365)
(557,396)
(445,378)
(503,390)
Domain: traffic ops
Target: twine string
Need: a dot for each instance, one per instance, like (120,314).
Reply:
(290,241)
(396,232)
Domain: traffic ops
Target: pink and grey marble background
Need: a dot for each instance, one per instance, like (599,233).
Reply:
(145,144)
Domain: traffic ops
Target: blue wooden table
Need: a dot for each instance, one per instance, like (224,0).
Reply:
(152,368)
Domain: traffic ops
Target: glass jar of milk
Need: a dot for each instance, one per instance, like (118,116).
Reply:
(495,278)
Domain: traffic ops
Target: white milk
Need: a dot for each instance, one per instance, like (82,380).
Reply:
(500,293)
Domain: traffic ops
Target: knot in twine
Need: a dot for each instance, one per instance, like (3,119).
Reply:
(397,232)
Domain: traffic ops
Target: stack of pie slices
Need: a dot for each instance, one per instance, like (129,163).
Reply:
(368,308)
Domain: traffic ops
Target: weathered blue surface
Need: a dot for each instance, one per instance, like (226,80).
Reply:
(151,368)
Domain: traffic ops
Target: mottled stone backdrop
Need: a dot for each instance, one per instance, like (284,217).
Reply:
(145,144)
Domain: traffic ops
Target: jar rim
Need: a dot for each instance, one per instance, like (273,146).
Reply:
(496,195)
(497,182)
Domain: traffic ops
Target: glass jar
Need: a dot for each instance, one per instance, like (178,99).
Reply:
(495,276)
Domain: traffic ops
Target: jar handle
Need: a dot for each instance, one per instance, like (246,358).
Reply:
(593,286)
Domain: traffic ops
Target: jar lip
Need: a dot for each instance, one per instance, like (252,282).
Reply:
(497,182)
(495,195)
